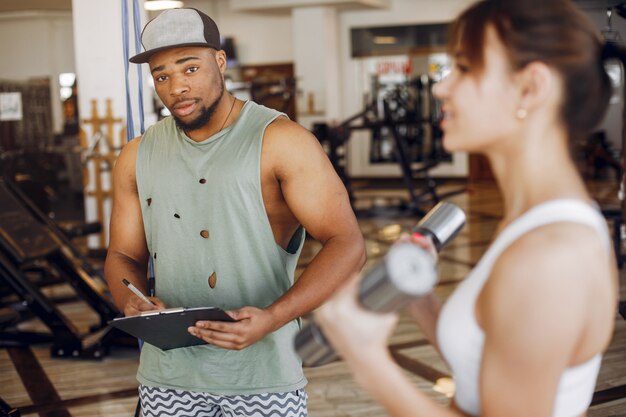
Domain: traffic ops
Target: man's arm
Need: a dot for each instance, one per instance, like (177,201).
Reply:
(319,201)
(127,256)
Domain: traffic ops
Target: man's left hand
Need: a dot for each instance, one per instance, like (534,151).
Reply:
(251,325)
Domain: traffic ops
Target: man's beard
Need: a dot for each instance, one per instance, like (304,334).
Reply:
(203,118)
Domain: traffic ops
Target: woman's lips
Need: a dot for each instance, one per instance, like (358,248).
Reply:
(445,118)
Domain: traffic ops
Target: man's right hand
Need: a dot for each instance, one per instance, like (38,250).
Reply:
(135,305)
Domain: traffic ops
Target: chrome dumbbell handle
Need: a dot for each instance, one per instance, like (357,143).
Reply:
(441,224)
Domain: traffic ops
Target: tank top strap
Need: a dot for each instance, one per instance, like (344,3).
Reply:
(553,211)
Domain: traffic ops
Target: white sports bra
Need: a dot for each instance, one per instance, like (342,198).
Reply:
(461,340)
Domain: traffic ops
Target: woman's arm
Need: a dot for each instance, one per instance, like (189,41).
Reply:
(538,312)
(360,337)
(425,312)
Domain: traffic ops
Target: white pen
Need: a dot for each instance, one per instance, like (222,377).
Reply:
(136,291)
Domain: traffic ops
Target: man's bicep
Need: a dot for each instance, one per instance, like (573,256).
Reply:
(314,192)
(126,226)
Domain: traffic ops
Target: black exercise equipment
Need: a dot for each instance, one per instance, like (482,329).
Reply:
(7,411)
(31,243)
(408,116)
(282,91)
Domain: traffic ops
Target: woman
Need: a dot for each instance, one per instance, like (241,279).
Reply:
(524,333)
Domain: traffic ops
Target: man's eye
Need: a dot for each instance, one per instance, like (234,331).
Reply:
(192,69)
(161,78)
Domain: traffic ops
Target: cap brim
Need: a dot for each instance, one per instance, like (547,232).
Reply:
(143,57)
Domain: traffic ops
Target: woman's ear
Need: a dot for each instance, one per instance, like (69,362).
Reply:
(538,86)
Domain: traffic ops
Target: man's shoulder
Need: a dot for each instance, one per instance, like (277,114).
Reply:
(131,146)
(163,124)
(285,128)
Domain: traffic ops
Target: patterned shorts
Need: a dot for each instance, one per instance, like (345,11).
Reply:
(163,402)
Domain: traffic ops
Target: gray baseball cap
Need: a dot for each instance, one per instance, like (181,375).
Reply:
(176,28)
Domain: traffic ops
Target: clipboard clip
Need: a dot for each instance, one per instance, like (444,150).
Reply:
(166,311)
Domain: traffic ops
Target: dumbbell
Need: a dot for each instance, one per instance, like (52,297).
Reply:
(407,272)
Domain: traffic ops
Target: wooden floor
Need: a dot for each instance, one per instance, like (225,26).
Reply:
(39,385)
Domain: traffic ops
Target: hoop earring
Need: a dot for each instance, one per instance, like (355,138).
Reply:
(521,113)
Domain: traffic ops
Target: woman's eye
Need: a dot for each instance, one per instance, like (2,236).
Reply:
(462,67)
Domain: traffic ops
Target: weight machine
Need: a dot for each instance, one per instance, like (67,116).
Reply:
(35,252)
(409,115)
(7,411)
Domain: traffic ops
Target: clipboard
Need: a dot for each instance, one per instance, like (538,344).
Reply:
(167,329)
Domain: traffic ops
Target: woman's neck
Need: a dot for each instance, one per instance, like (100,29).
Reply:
(536,167)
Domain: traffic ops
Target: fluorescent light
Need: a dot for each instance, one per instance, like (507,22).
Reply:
(384,40)
(162,4)
(66,79)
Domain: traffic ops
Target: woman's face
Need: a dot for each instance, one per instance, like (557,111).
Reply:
(479,107)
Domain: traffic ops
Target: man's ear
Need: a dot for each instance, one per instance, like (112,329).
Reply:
(538,84)
(220,57)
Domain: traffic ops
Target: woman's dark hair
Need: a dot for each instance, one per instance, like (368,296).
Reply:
(554,32)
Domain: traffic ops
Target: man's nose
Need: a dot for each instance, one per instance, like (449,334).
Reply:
(180,85)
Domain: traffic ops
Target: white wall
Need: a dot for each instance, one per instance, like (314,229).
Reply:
(316,58)
(260,38)
(38,44)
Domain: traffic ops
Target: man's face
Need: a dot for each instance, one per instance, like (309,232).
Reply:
(189,81)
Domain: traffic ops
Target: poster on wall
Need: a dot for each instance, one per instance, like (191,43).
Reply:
(10,106)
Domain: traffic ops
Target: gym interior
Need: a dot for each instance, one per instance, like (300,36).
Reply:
(357,73)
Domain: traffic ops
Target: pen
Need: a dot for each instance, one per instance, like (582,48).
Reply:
(136,291)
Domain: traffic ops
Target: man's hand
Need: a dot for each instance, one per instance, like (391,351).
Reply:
(135,305)
(252,324)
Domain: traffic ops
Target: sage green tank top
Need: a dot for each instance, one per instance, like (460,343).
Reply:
(212,245)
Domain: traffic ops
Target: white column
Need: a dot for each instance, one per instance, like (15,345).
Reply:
(316,61)
(100,75)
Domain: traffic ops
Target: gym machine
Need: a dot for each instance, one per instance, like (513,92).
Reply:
(405,116)
(406,273)
(7,411)
(31,244)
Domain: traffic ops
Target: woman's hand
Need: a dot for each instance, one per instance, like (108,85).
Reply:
(356,334)
(422,241)
(424,310)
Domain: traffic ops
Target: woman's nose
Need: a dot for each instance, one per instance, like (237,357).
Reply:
(440,89)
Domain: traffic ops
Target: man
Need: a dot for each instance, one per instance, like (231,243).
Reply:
(219,195)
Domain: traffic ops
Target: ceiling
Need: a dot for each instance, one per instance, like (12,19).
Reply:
(598,4)
(20,5)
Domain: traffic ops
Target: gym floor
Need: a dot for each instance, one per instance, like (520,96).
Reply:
(37,384)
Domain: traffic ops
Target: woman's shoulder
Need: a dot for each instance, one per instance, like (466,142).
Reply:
(559,251)
(559,267)
(557,282)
